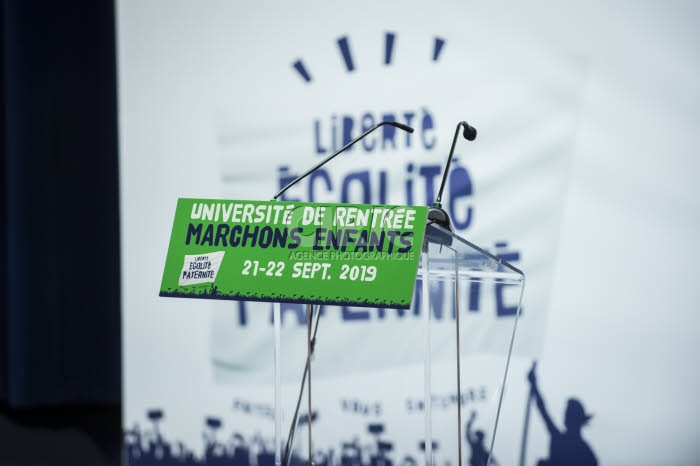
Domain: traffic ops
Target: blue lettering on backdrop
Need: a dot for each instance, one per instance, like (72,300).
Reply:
(460,187)
(371,186)
(502,308)
(389,132)
(409,184)
(338,130)
(382,187)
(360,179)
(427,125)
(242,314)
(258,409)
(367,123)
(317,134)
(348,123)
(320,173)
(349,314)
(360,407)
(470,395)
(430,172)
(286,177)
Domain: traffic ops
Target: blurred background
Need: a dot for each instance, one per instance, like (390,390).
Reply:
(583,175)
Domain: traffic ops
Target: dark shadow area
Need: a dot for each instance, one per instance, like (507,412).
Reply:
(60,329)
(61,435)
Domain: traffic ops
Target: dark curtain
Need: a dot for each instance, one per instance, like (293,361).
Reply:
(60,339)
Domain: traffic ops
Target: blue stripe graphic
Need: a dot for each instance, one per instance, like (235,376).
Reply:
(345,50)
(388,47)
(301,69)
(438,48)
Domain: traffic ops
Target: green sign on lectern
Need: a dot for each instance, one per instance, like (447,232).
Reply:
(294,252)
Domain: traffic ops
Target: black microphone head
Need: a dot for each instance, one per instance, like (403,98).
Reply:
(401,126)
(469,131)
(438,215)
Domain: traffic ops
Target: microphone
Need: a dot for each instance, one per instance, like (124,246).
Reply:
(342,149)
(436,214)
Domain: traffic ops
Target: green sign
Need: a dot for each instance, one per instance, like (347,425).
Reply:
(294,252)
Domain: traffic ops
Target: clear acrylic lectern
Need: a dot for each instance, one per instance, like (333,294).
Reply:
(465,358)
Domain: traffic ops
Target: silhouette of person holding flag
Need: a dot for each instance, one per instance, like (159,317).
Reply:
(480,454)
(566,448)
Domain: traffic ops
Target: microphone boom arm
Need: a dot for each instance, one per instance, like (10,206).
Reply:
(470,135)
(346,146)
(436,214)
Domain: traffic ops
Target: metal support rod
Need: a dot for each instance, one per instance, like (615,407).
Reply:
(309,316)
(276,318)
(505,373)
(459,385)
(293,427)
(427,391)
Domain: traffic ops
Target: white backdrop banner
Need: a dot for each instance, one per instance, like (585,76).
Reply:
(234,102)
(504,192)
